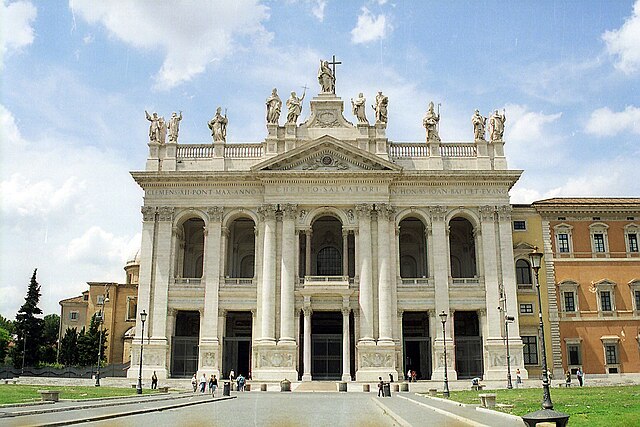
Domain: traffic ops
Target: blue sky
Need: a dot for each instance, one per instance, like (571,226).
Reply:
(77,77)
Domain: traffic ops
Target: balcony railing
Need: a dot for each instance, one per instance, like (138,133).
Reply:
(421,281)
(465,280)
(238,281)
(408,150)
(194,151)
(188,281)
(458,150)
(243,151)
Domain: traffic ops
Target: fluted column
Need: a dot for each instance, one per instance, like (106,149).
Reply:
(287,274)
(346,358)
(366,284)
(267,317)
(157,325)
(307,252)
(306,351)
(490,263)
(223,252)
(345,252)
(209,333)
(385,322)
(440,261)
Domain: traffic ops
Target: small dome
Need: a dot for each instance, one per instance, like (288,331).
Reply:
(133,259)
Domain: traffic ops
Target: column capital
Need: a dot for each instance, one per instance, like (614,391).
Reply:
(308,231)
(346,311)
(438,213)
(267,212)
(171,312)
(385,211)
(148,213)
(222,312)
(308,311)
(165,213)
(364,210)
(504,212)
(487,212)
(289,211)
(215,213)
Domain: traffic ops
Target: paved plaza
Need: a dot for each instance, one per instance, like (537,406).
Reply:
(256,409)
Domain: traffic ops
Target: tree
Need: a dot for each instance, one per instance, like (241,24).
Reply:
(5,338)
(28,328)
(88,343)
(69,347)
(7,324)
(49,346)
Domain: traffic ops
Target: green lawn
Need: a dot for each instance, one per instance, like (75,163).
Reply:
(17,393)
(592,406)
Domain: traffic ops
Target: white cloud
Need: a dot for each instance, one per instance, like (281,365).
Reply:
(21,196)
(624,43)
(16,29)
(9,132)
(528,127)
(369,27)
(318,9)
(99,247)
(189,35)
(604,122)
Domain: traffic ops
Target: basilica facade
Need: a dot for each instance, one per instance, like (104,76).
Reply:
(326,252)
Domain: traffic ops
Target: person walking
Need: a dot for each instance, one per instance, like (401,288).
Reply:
(241,382)
(567,379)
(203,383)
(232,375)
(409,375)
(213,385)
(518,378)
(194,382)
(580,376)
(154,381)
(380,386)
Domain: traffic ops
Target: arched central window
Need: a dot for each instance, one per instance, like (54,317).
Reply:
(523,272)
(241,249)
(413,248)
(191,248)
(329,262)
(463,248)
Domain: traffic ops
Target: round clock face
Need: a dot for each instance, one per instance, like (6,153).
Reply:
(327,160)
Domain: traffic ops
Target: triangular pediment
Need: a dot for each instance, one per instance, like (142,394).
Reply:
(326,154)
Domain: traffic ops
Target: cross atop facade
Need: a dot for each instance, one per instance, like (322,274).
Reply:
(333,64)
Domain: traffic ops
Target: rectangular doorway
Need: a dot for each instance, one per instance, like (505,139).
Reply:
(185,344)
(468,342)
(416,344)
(236,345)
(326,345)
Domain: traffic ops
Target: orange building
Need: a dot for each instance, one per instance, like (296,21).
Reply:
(591,248)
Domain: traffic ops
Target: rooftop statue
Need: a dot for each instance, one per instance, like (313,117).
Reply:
(154,127)
(274,106)
(430,122)
(218,126)
(294,105)
(162,130)
(479,123)
(174,126)
(382,102)
(358,107)
(496,125)
(326,78)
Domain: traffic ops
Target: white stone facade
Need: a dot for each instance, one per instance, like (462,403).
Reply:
(299,257)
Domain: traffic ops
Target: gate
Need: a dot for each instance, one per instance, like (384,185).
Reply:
(184,357)
(326,353)
(469,357)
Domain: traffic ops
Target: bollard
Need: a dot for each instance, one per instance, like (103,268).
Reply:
(433,392)
(285,385)
(404,387)
(365,388)
(396,388)
(263,387)
(386,390)
(342,386)
(226,391)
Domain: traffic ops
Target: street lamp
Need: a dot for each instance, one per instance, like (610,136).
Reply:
(546,414)
(443,319)
(507,320)
(105,299)
(143,317)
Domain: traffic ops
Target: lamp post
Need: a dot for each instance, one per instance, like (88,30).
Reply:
(443,319)
(143,317)
(507,320)
(105,299)
(546,414)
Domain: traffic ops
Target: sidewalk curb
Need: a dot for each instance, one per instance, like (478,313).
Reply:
(130,413)
(133,399)
(510,417)
(447,413)
(395,417)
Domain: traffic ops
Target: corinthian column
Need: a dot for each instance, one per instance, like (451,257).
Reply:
(366,285)
(385,303)
(287,274)
(209,332)
(346,358)
(267,317)
(306,351)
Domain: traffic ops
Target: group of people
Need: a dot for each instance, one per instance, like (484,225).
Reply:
(202,384)
(579,376)
(412,376)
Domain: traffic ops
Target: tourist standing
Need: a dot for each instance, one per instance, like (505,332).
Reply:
(380,386)
(518,378)
(154,381)
(213,385)
(580,376)
(241,382)
(194,382)
(232,375)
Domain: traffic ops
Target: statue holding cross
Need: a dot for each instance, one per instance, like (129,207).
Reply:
(327,76)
